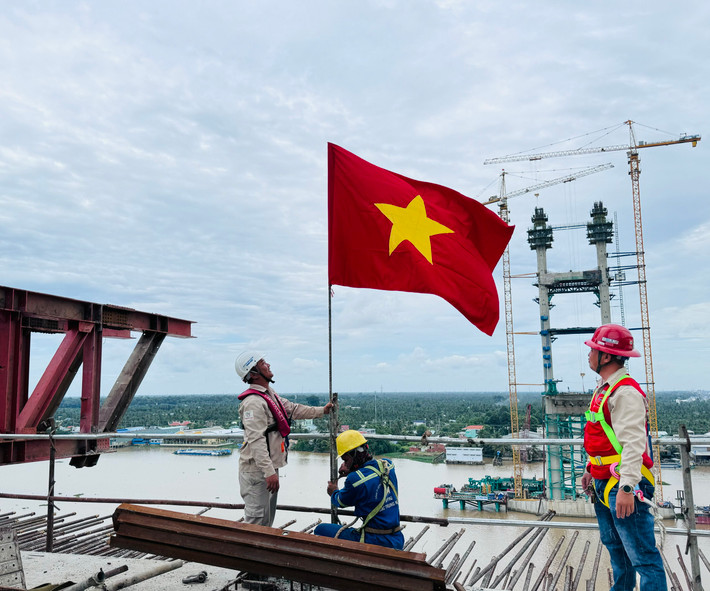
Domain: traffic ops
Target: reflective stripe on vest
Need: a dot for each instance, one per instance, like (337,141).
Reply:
(598,417)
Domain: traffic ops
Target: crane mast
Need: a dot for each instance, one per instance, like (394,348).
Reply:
(510,346)
(634,171)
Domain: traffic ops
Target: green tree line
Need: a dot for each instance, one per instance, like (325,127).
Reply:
(444,414)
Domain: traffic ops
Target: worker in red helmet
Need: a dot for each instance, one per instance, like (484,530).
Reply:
(618,474)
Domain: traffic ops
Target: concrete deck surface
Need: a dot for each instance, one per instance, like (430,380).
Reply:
(42,567)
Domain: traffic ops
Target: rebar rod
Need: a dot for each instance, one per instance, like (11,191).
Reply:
(63,532)
(675,583)
(580,566)
(91,543)
(412,541)
(434,556)
(569,573)
(450,570)
(14,519)
(528,559)
(684,569)
(487,579)
(705,560)
(505,580)
(543,572)
(464,557)
(528,576)
(468,574)
(58,525)
(68,540)
(80,524)
(450,547)
(311,526)
(563,562)
(591,583)
(496,558)
(538,534)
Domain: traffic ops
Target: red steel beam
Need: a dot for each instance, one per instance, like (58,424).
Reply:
(54,383)
(84,325)
(336,564)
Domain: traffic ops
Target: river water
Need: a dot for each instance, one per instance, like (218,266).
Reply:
(154,472)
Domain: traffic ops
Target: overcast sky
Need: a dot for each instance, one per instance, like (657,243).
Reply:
(171,157)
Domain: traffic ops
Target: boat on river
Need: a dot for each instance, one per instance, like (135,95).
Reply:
(203,452)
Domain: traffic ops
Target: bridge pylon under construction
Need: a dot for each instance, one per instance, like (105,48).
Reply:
(564,412)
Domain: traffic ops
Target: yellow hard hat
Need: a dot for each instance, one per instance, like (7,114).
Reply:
(349,440)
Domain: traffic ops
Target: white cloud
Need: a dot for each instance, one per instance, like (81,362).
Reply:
(172,158)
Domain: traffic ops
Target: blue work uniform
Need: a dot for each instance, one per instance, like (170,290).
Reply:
(364,490)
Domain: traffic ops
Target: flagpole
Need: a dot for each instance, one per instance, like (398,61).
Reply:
(333,423)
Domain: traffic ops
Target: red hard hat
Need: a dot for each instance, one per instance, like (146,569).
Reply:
(614,339)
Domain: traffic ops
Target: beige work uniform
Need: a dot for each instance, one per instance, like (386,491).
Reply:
(257,460)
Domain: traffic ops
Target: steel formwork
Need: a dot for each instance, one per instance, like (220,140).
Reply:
(326,562)
(84,326)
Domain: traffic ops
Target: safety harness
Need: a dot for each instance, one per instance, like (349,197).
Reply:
(282,422)
(382,471)
(613,460)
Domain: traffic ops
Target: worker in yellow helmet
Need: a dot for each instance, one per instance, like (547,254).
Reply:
(371,488)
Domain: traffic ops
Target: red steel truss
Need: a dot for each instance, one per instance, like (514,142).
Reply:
(84,325)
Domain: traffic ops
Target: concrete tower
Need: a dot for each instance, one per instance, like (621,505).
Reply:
(564,411)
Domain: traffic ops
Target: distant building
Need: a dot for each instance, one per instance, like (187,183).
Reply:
(307,424)
(464,455)
(472,431)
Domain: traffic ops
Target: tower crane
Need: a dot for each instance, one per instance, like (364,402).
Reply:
(502,200)
(632,149)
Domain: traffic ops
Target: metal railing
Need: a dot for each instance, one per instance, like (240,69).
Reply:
(684,442)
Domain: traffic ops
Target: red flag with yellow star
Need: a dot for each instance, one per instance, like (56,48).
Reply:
(387,231)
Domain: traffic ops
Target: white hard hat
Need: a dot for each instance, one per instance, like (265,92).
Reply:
(245,363)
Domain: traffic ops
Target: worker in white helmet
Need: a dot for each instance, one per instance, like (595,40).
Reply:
(266,420)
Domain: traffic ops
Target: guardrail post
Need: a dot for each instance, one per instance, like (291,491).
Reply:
(691,545)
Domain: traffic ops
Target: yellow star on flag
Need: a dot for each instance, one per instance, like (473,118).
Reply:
(411,223)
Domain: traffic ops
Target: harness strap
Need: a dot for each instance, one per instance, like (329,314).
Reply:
(598,416)
(613,480)
(382,532)
(604,460)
